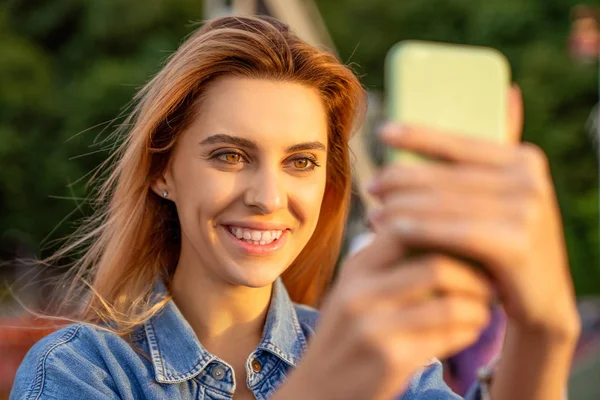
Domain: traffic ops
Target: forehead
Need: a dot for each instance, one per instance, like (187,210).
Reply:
(269,112)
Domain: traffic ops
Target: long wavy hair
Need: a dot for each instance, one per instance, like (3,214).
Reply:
(133,237)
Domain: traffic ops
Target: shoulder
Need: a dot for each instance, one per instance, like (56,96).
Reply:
(307,317)
(66,360)
(84,339)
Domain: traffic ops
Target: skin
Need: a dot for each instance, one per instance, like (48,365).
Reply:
(388,313)
(222,291)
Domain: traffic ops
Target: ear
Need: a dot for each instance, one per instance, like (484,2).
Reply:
(515,114)
(160,187)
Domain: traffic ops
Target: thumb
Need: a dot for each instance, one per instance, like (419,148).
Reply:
(515,114)
(378,250)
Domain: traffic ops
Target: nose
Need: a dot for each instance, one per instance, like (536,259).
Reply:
(266,191)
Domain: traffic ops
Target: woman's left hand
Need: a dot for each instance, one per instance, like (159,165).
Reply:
(490,203)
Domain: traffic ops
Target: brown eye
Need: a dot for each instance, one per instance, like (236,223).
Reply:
(301,163)
(231,157)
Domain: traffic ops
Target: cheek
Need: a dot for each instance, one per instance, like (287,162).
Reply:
(309,198)
(203,192)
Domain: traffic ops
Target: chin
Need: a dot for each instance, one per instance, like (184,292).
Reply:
(255,276)
(256,281)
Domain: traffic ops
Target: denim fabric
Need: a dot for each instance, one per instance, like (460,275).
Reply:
(81,361)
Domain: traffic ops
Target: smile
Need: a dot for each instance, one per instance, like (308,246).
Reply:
(254,236)
(257,242)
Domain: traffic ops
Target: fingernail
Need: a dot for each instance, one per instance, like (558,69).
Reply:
(375,215)
(391,129)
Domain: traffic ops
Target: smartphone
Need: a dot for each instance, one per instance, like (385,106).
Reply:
(454,88)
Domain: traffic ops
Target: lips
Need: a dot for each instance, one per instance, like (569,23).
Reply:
(255,236)
(256,242)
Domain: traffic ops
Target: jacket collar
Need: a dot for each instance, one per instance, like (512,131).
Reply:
(177,354)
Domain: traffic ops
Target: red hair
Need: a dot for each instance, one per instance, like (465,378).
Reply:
(133,239)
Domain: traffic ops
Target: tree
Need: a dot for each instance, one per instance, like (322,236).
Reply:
(559,93)
(69,67)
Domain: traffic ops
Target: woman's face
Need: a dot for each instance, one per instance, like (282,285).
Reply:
(248,178)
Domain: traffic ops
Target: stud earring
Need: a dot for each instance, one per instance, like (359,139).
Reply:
(165,193)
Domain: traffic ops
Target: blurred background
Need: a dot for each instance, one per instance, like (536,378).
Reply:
(68,68)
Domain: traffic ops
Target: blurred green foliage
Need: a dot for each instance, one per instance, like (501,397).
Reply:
(69,67)
(559,93)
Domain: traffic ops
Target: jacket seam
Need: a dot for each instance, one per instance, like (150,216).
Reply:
(209,388)
(65,338)
(194,372)
(299,333)
(155,350)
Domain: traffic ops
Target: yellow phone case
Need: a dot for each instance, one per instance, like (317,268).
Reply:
(456,88)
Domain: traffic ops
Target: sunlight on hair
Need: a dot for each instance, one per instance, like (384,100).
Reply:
(131,240)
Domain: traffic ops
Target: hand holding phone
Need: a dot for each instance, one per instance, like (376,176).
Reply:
(458,89)
(484,198)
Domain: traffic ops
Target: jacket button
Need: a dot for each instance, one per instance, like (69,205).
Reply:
(256,366)
(218,372)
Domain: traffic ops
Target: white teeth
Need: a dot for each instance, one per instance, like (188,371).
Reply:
(266,237)
(255,236)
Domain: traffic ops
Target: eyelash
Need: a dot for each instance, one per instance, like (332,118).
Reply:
(312,160)
(220,156)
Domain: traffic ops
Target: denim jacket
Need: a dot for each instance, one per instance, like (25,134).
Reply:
(80,361)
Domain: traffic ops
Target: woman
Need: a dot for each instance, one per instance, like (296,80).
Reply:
(223,220)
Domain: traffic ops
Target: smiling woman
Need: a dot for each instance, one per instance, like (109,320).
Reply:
(257,174)
(234,171)
(221,224)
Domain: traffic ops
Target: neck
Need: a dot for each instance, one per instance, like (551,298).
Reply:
(226,318)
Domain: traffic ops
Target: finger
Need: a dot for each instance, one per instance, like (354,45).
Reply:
(420,276)
(445,312)
(433,202)
(380,253)
(491,242)
(439,313)
(515,114)
(447,146)
(419,348)
(441,344)
(410,332)
(456,176)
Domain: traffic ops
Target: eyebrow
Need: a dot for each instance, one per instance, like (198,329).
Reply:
(249,144)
